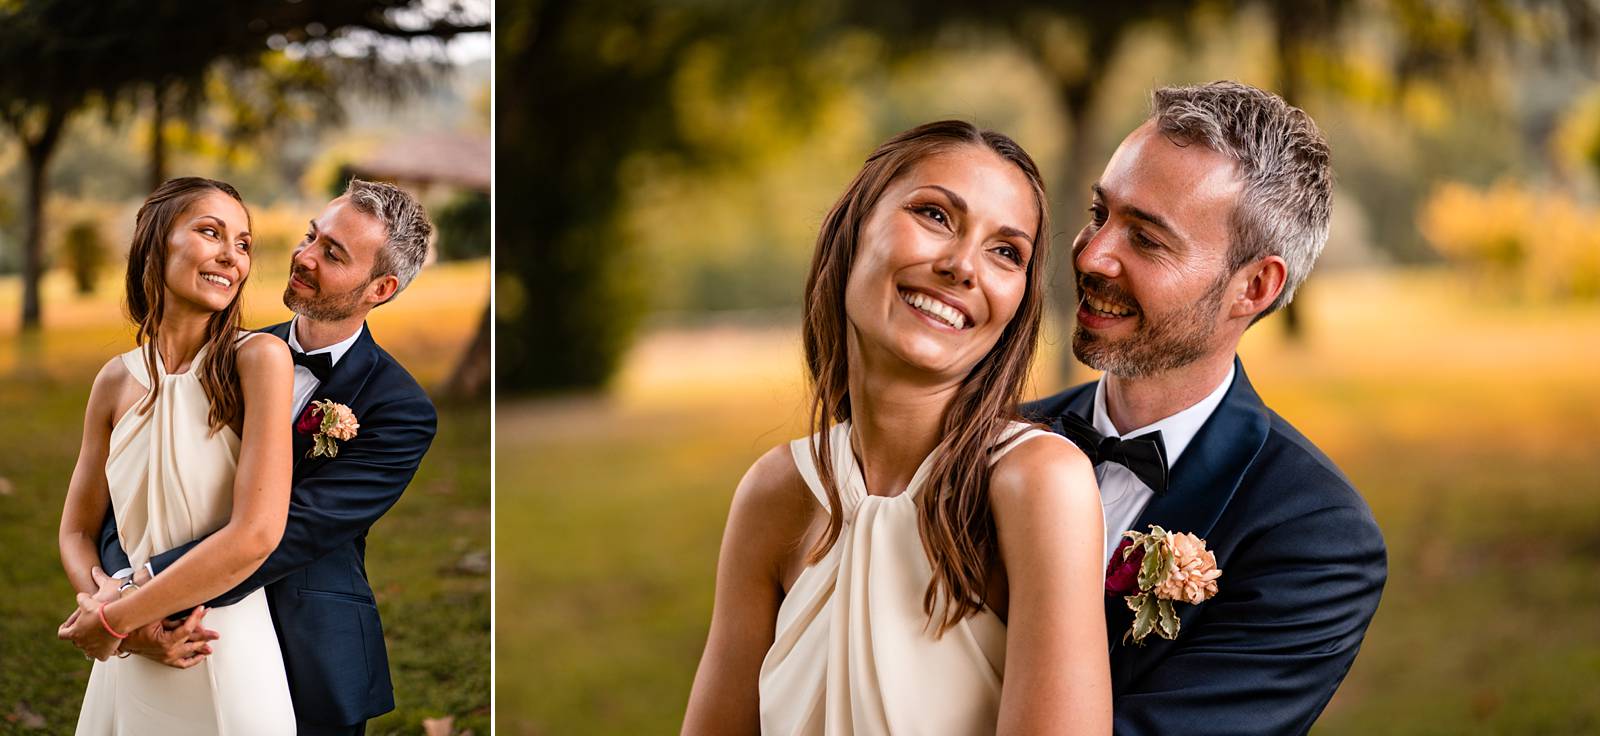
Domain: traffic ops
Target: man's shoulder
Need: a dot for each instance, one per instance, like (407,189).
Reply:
(1050,407)
(392,382)
(1292,478)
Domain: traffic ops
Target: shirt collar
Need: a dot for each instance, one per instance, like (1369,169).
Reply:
(334,351)
(1176,430)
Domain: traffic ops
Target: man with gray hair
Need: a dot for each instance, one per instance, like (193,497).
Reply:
(1207,218)
(364,248)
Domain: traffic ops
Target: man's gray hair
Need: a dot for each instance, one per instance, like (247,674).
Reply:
(405,224)
(1282,160)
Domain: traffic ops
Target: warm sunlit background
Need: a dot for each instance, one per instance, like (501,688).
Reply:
(98,102)
(663,168)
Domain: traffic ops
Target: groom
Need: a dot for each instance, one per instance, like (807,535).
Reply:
(1206,219)
(362,250)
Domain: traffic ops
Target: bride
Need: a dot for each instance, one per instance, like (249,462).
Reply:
(186,434)
(923,563)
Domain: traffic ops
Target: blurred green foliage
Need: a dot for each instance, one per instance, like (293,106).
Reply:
(712,136)
(84,253)
(462,226)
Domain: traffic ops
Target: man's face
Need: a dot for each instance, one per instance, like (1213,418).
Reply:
(330,275)
(1151,264)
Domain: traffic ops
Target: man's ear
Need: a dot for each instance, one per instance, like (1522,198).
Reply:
(1263,282)
(383,288)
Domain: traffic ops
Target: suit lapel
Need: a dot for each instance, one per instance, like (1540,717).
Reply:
(1202,483)
(344,383)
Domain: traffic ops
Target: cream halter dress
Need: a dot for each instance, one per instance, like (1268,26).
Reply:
(171,482)
(854,652)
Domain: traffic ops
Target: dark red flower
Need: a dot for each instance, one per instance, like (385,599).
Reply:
(310,420)
(1122,576)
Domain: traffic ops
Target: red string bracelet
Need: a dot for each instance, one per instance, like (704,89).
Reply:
(107,624)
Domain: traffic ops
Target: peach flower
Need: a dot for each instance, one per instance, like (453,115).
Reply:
(343,425)
(1192,573)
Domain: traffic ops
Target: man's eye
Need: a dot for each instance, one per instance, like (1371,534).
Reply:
(1097,215)
(1144,241)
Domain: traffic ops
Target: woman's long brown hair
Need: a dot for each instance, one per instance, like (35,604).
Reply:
(955,520)
(146,295)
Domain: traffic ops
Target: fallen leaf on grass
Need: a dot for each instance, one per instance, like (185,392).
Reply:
(473,563)
(5,486)
(24,716)
(438,726)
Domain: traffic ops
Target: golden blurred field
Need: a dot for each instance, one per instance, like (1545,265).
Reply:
(1471,425)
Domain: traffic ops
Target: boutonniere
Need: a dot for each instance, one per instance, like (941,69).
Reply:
(1155,570)
(328,422)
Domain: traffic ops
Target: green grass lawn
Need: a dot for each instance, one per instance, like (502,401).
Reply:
(1473,431)
(420,556)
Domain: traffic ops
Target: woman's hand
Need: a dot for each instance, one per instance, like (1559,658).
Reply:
(87,633)
(110,589)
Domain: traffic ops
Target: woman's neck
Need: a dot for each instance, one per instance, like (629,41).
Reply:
(896,421)
(178,339)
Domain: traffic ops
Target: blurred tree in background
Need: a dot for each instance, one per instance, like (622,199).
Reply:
(656,152)
(113,54)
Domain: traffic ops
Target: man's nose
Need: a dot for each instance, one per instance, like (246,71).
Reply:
(1096,252)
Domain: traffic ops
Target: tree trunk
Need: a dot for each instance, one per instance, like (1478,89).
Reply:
(38,149)
(158,139)
(470,379)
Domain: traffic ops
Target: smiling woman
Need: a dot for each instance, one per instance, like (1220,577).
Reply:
(185,436)
(921,519)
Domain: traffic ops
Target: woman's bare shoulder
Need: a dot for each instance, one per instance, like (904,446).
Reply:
(1044,471)
(264,356)
(773,487)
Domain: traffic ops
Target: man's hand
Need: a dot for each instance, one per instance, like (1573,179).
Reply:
(181,644)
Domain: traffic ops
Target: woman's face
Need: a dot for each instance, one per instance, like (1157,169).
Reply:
(208,254)
(942,263)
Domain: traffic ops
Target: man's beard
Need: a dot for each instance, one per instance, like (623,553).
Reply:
(323,307)
(1161,342)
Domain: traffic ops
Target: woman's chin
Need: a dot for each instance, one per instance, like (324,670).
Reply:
(935,359)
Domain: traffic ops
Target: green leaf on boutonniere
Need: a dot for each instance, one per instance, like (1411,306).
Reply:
(325,446)
(1155,562)
(1144,616)
(1167,620)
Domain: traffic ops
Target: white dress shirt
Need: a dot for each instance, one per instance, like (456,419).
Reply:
(1122,495)
(305,384)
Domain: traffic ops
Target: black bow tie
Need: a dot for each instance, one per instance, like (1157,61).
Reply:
(1145,455)
(320,364)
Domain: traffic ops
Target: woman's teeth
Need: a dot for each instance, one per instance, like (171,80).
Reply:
(1106,308)
(221,281)
(935,308)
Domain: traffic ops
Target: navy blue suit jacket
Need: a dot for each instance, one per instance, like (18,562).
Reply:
(1303,564)
(316,579)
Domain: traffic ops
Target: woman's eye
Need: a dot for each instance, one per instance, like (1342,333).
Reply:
(934,213)
(1010,253)
(210,231)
